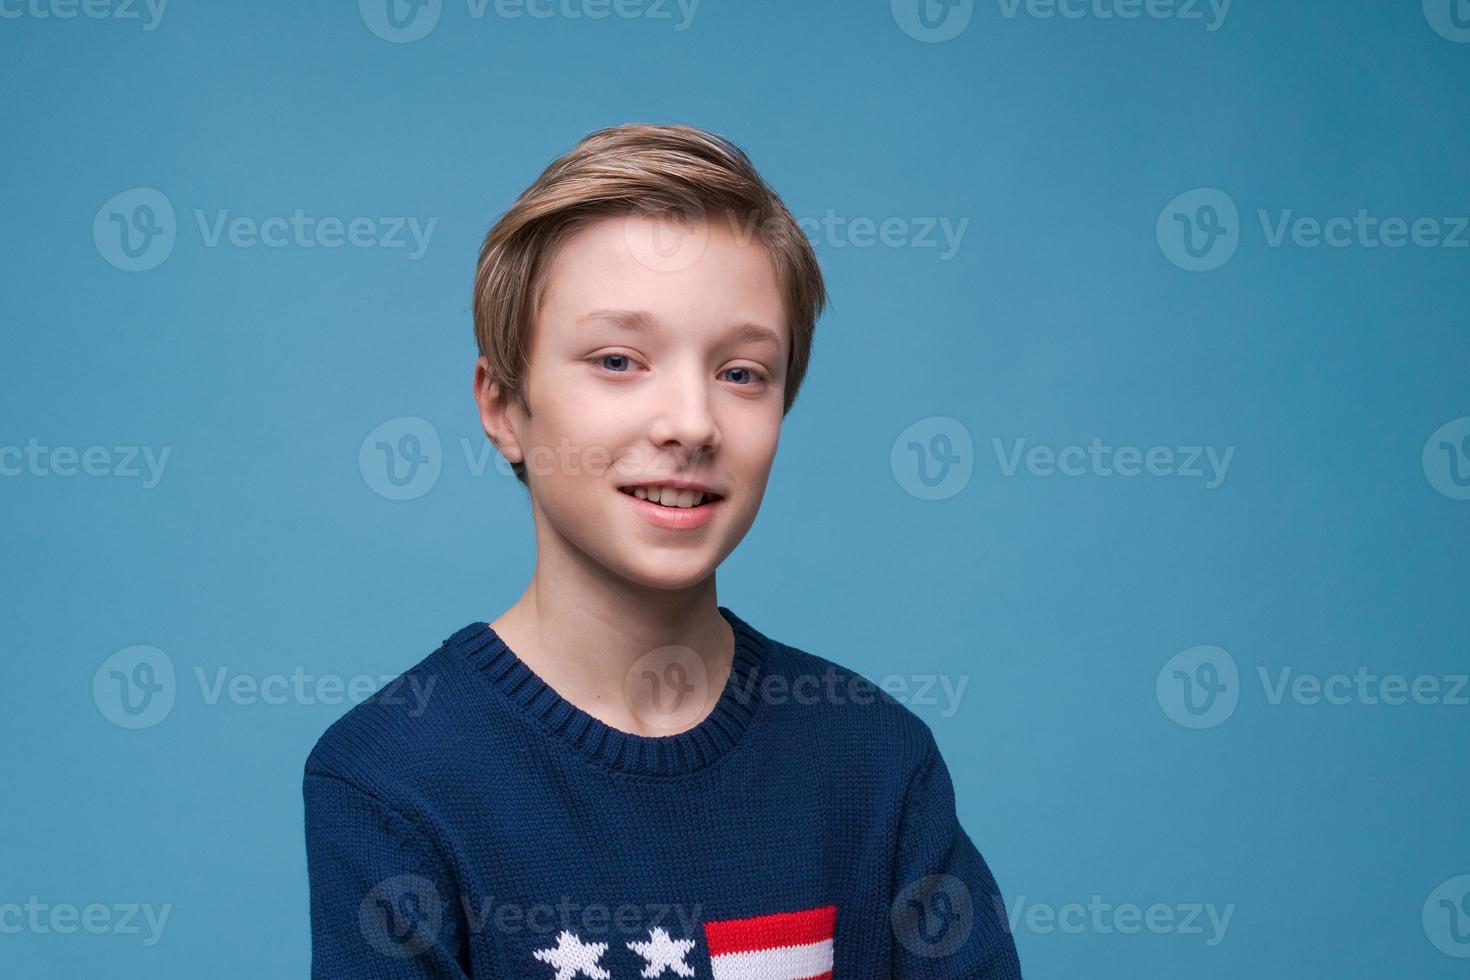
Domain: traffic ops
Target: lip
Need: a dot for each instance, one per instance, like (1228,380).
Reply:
(673,518)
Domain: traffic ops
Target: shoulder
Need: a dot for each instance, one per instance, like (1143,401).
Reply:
(853,712)
(410,728)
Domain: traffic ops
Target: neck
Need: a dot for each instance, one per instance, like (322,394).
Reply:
(607,646)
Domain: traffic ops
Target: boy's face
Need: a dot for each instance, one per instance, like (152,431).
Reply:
(650,364)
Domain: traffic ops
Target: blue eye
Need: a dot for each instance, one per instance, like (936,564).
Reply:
(754,377)
(618,357)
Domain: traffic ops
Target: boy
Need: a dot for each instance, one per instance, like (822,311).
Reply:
(619,777)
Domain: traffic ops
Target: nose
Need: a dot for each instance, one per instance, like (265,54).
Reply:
(683,425)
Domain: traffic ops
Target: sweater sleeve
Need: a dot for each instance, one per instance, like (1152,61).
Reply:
(381,905)
(948,917)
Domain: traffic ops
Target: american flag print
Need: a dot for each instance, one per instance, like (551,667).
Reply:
(785,946)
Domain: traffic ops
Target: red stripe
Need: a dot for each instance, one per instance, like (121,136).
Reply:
(770,931)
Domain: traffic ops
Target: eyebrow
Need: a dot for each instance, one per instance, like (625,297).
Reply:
(643,320)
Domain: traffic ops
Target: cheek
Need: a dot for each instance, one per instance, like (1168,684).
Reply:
(578,439)
(749,458)
(753,436)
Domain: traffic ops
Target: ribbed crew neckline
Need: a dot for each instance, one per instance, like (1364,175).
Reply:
(664,755)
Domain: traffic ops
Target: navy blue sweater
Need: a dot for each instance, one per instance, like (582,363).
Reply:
(468,821)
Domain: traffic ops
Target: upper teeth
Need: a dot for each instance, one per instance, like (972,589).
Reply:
(668,496)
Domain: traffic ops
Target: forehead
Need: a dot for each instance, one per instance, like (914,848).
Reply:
(706,273)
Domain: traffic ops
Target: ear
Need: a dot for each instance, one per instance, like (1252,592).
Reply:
(495,412)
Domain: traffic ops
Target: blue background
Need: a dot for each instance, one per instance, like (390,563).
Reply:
(266,548)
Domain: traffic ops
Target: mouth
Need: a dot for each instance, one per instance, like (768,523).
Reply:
(673,498)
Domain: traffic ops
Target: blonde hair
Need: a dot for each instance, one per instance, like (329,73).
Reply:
(633,168)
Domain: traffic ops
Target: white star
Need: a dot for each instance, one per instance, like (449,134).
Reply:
(661,951)
(571,957)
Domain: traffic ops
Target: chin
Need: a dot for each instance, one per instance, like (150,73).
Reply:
(658,570)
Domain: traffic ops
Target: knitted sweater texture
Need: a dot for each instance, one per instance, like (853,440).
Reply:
(469,822)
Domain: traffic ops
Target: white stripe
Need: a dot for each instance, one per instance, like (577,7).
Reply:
(785,963)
